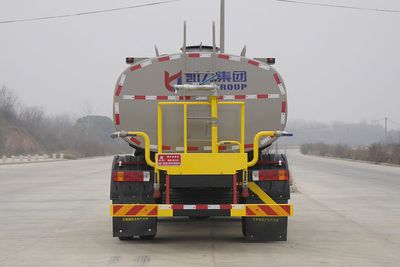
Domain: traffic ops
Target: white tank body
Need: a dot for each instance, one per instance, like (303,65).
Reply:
(149,81)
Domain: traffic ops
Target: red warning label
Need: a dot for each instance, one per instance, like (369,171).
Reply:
(169,160)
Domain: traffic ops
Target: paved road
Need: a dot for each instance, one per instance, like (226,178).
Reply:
(56,214)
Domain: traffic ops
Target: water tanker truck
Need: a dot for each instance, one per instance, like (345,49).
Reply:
(200,122)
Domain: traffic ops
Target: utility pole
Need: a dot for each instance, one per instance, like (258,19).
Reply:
(222,27)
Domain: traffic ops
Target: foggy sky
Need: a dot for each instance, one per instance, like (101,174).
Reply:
(338,64)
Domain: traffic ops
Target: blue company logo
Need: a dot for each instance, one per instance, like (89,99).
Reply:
(227,80)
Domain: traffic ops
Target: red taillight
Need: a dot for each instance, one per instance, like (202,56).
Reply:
(131,176)
(270,175)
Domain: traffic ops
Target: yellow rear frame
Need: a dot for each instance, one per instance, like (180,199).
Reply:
(213,163)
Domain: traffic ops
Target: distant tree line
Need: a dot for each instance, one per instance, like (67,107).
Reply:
(25,129)
(377,152)
(354,134)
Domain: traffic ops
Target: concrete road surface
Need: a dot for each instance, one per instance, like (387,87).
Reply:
(56,214)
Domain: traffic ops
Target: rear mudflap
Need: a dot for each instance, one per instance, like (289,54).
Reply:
(134,226)
(264,228)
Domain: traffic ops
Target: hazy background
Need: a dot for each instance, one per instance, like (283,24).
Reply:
(338,64)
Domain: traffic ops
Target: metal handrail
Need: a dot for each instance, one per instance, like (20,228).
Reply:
(257,139)
(146,138)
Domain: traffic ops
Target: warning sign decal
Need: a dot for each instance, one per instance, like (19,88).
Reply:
(169,160)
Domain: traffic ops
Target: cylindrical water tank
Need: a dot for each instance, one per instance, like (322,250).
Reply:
(149,81)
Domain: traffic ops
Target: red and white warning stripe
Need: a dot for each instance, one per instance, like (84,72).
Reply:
(201,55)
(283,112)
(250,61)
(168,210)
(279,83)
(116,113)
(229,57)
(167,148)
(120,85)
(141,65)
(259,64)
(168,58)
(198,55)
(198,98)
(196,207)
(160,59)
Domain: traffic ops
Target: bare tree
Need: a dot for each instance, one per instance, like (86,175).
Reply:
(8,104)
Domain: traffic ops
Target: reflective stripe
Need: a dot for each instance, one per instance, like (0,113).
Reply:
(176,56)
(193,55)
(204,148)
(122,80)
(283,108)
(146,63)
(166,210)
(228,97)
(120,85)
(283,118)
(264,197)
(162,59)
(264,66)
(135,67)
(234,58)
(273,96)
(251,96)
(281,89)
(199,98)
(279,83)
(253,62)
(116,113)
